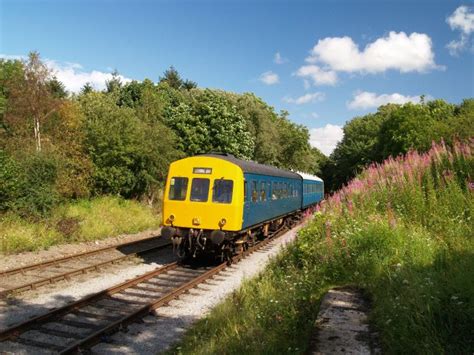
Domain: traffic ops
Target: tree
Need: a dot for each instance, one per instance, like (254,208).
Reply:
(130,157)
(30,99)
(207,121)
(87,88)
(172,77)
(114,84)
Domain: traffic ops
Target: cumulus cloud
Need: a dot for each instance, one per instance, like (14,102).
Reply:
(269,78)
(365,100)
(462,19)
(397,51)
(316,96)
(326,138)
(278,59)
(72,75)
(317,75)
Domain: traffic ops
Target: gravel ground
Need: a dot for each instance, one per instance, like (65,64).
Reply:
(28,305)
(157,333)
(14,261)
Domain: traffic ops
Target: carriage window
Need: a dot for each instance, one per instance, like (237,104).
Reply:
(274,190)
(199,190)
(263,193)
(178,188)
(222,191)
(254,191)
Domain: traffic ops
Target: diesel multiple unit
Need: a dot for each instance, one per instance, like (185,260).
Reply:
(216,203)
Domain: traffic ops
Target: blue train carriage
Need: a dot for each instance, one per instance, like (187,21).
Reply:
(313,190)
(216,202)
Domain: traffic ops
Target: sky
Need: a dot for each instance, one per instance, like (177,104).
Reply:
(324,62)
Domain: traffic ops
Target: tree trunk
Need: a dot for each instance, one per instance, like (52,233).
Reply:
(37,134)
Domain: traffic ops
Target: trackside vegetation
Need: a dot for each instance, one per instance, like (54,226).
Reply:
(402,231)
(78,221)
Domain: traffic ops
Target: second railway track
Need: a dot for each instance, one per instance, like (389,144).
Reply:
(33,276)
(80,325)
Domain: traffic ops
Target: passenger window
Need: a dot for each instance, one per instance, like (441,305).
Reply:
(178,188)
(254,191)
(200,190)
(263,194)
(222,191)
(274,191)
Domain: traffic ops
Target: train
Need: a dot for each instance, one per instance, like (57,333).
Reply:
(217,204)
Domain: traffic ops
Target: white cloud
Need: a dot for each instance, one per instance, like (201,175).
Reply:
(326,138)
(278,59)
(317,96)
(72,75)
(317,75)
(269,78)
(462,19)
(365,100)
(397,51)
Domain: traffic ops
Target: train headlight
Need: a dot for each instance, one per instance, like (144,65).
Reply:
(222,222)
(171,218)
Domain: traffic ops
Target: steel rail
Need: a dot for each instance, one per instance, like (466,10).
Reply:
(14,332)
(52,262)
(78,271)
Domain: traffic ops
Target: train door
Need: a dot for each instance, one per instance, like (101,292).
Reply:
(246,202)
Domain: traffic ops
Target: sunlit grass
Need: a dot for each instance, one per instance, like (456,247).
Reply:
(78,221)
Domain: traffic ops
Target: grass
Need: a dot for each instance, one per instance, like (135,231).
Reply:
(81,220)
(402,231)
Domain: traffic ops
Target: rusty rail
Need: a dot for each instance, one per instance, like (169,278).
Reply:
(75,271)
(96,334)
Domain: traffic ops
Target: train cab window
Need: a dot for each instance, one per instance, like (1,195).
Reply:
(178,188)
(245,191)
(254,191)
(263,193)
(222,191)
(200,190)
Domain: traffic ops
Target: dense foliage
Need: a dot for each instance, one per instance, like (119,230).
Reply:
(121,140)
(394,130)
(401,231)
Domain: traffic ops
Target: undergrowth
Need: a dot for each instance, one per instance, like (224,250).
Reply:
(82,220)
(402,231)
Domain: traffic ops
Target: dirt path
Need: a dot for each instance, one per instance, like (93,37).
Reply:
(342,324)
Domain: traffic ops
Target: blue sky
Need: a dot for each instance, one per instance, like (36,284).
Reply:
(337,59)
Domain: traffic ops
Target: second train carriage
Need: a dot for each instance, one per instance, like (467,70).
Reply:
(215,202)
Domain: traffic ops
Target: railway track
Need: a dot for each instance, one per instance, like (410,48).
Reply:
(79,326)
(36,275)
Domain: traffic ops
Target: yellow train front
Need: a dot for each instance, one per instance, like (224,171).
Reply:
(216,203)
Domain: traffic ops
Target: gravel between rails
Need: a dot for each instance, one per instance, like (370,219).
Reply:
(23,307)
(157,333)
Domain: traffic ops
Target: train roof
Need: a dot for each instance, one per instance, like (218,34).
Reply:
(253,167)
(310,177)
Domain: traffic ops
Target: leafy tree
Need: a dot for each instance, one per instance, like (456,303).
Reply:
(207,122)
(172,78)
(87,88)
(57,88)
(130,157)
(114,84)
(30,100)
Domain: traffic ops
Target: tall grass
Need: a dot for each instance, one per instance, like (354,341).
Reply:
(81,220)
(402,231)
